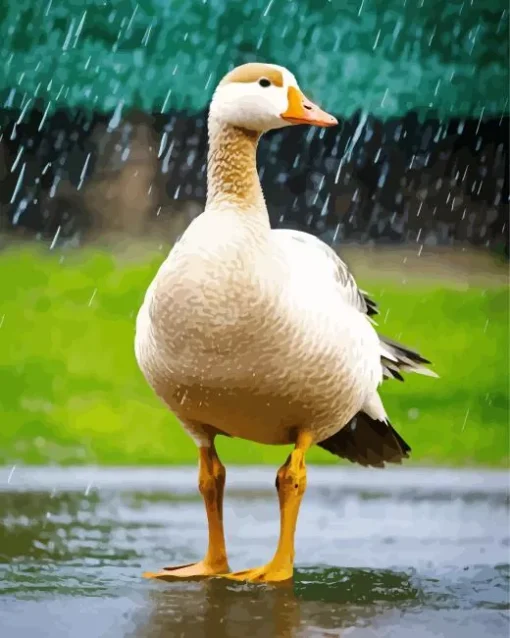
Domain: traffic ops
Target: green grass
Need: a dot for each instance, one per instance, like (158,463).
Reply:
(71,392)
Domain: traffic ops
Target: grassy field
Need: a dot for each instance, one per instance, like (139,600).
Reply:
(71,392)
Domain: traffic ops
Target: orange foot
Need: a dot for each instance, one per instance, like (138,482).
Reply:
(192,571)
(266,574)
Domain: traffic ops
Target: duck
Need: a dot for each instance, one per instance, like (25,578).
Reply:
(263,334)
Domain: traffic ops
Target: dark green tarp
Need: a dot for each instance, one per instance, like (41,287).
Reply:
(382,56)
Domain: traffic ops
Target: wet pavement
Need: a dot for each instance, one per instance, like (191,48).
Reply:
(400,552)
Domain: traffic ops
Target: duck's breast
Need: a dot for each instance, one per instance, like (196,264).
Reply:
(206,308)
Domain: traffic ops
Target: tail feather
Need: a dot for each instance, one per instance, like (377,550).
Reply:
(372,307)
(368,442)
(396,358)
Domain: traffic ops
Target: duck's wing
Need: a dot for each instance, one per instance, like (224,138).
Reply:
(368,438)
(321,260)
(322,257)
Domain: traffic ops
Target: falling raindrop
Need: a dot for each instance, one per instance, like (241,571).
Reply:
(79,29)
(55,238)
(116,117)
(84,171)
(53,188)
(268,8)
(69,35)
(465,419)
(13,468)
(167,98)
(480,119)
(45,114)
(17,158)
(18,183)
(376,42)
(22,206)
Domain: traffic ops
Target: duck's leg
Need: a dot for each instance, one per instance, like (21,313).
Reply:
(291,485)
(211,484)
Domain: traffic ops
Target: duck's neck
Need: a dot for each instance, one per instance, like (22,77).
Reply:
(232,178)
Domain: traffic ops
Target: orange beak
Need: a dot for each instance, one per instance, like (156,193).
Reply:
(302,111)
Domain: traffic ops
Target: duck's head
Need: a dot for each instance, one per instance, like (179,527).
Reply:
(261,97)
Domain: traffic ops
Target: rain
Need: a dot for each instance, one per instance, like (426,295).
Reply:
(104,110)
(442,125)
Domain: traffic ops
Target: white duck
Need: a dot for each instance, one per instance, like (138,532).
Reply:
(263,334)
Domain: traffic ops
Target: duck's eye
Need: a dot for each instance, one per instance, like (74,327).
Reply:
(264,82)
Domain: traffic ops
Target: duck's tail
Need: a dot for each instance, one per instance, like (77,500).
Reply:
(396,358)
(367,441)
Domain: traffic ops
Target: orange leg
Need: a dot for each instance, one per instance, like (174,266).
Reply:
(291,485)
(211,484)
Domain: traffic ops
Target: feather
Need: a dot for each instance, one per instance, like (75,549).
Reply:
(367,441)
(395,358)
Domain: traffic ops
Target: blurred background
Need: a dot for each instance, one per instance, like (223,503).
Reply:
(102,166)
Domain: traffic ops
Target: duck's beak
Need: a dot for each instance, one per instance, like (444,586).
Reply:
(302,111)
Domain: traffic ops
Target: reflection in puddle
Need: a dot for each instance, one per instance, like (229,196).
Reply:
(216,608)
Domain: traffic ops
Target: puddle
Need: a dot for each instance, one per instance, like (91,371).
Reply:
(391,553)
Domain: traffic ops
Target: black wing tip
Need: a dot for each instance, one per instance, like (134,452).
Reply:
(370,442)
(372,307)
(392,373)
(411,354)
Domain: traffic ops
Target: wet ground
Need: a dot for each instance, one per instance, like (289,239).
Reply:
(395,553)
